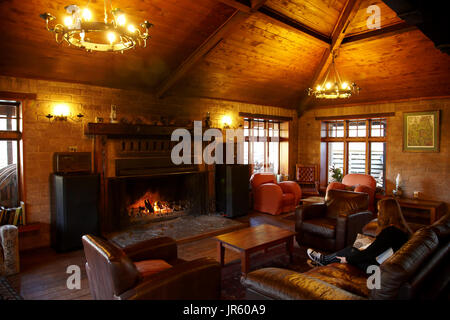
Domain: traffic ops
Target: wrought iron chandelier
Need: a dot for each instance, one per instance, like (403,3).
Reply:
(110,35)
(334,90)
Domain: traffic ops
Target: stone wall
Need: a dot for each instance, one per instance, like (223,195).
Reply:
(428,173)
(42,138)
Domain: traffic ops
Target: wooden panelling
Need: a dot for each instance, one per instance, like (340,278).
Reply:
(261,62)
(29,50)
(359,24)
(319,15)
(403,66)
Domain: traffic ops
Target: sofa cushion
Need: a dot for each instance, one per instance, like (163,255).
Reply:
(400,267)
(276,283)
(324,227)
(344,276)
(148,267)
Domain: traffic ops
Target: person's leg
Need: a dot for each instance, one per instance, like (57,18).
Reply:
(332,258)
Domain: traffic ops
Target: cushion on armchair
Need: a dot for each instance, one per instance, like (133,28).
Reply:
(149,267)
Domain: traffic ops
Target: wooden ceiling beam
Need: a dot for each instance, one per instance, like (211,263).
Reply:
(244,9)
(213,40)
(379,33)
(276,17)
(337,36)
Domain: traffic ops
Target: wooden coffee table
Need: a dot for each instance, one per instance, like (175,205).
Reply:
(249,240)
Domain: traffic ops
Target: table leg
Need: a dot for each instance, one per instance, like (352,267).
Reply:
(245,263)
(221,253)
(290,248)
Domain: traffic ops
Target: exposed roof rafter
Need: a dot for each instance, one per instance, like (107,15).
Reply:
(337,36)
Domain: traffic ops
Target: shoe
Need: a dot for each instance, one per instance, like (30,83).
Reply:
(315,256)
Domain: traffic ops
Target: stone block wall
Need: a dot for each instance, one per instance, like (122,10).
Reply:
(41,137)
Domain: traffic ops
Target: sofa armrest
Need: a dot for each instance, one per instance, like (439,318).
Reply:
(348,227)
(163,248)
(198,279)
(283,284)
(292,187)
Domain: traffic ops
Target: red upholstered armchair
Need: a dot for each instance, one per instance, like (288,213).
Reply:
(272,197)
(361,183)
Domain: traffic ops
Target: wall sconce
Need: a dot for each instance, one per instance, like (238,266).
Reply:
(226,122)
(61,112)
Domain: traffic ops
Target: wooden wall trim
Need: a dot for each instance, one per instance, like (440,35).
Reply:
(264,116)
(9,95)
(358,116)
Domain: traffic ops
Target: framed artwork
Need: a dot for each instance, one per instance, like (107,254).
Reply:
(421,131)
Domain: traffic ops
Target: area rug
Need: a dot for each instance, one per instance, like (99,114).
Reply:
(232,289)
(182,229)
(7,292)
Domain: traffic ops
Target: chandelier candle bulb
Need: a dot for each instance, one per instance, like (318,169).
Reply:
(111,37)
(121,20)
(87,14)
(68,21)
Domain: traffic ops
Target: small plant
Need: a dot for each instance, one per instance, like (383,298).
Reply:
(336,174)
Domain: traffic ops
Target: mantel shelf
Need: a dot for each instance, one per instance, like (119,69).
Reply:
(119,130)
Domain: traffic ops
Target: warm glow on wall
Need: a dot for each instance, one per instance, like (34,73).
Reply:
(226,121)
(61,110)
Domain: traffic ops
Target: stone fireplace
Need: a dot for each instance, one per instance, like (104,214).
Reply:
(139,182)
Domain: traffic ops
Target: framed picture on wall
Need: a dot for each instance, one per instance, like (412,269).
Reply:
(421,131)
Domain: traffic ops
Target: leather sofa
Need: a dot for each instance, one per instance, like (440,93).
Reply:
(272,197)
(335,224)
(149,270)
(359,183)
(420,269)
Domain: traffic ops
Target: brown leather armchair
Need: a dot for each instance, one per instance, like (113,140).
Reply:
(335,224)
(149,270)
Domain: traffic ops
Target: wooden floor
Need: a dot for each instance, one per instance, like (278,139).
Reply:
(43,271)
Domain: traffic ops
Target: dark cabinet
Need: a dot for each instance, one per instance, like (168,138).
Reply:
(74,209)
(232,189)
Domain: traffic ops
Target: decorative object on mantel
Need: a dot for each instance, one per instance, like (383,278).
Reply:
(113,114)
(109,35)
(421,131)
(397,192)
(338,89)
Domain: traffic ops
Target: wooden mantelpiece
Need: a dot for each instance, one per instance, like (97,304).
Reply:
(119,130)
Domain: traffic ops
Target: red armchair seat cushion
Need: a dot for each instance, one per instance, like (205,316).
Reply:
(148,267)
(288,198)
(323,227)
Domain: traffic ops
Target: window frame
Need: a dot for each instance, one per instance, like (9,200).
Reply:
(346,139)
(16,135)
(267,140)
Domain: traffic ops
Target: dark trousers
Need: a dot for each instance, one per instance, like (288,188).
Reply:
(389,237)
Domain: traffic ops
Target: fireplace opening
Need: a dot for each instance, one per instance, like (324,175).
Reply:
(142,199)
(152,206)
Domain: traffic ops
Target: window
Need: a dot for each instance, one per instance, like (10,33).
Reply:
(263,147)
(356,146)
(10,137)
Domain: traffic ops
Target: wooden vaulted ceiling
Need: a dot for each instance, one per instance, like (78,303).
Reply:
(265,52)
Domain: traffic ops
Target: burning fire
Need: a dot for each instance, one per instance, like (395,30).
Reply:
(149,204)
